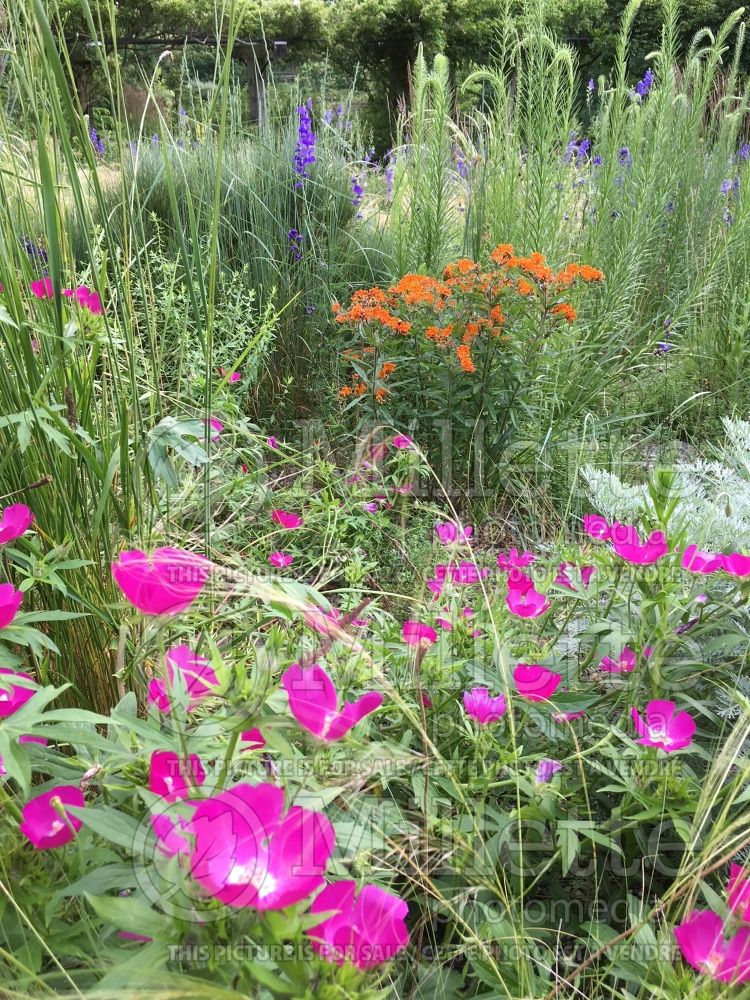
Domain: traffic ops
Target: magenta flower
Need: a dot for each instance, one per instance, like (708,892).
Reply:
(173,776)
(130,936)
(596,527)
(378,451)
(701,940)
(522,599)
(701,562)
(13,696)
(45,821)
(664,728)
(286,520)
(371,506)
(467,573)
(314,701)
(545,769)
(42,289)
(624,664)
(535,683)
(272,442)
(252,739)
(171,828)
(737,565)
(216,427)
(627,545)
(366,929)
(10,602)
(515,561)
(448,532)
(229,375)
(42,741)
(563,580)
(199,678)
(738,892)
(402,442)
(280,559)
(249,852)
(15,520)
(444,624)
(416,634)
(165,583)
(86,299)
(562,717)
(480,705)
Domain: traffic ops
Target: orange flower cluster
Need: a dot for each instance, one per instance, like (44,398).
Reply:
(421,290)
(477,301)
(371,305)
(564,309)
(463,353)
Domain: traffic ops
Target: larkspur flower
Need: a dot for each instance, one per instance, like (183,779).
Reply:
(358,192)
(545,769)
(163,583)
(36,252)
(249,852)
(725,187)
(597,161)
(591,86)
(664,727)
(643,86)
(314,703)
(535,683)
(46,822)
(97,142)
(743,153)
(365,928)
(304,151)
(483,707)
(286,519)
(390,172)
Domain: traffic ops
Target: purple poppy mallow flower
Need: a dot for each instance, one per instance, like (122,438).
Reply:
(545,769)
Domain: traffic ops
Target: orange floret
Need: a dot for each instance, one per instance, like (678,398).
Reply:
(345,391)
(502,253)
(380,395)
(564,309)
(464,356)
(421,290)
(387,369)
(439,333)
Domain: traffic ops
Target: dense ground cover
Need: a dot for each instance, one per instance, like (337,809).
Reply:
(375,532)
